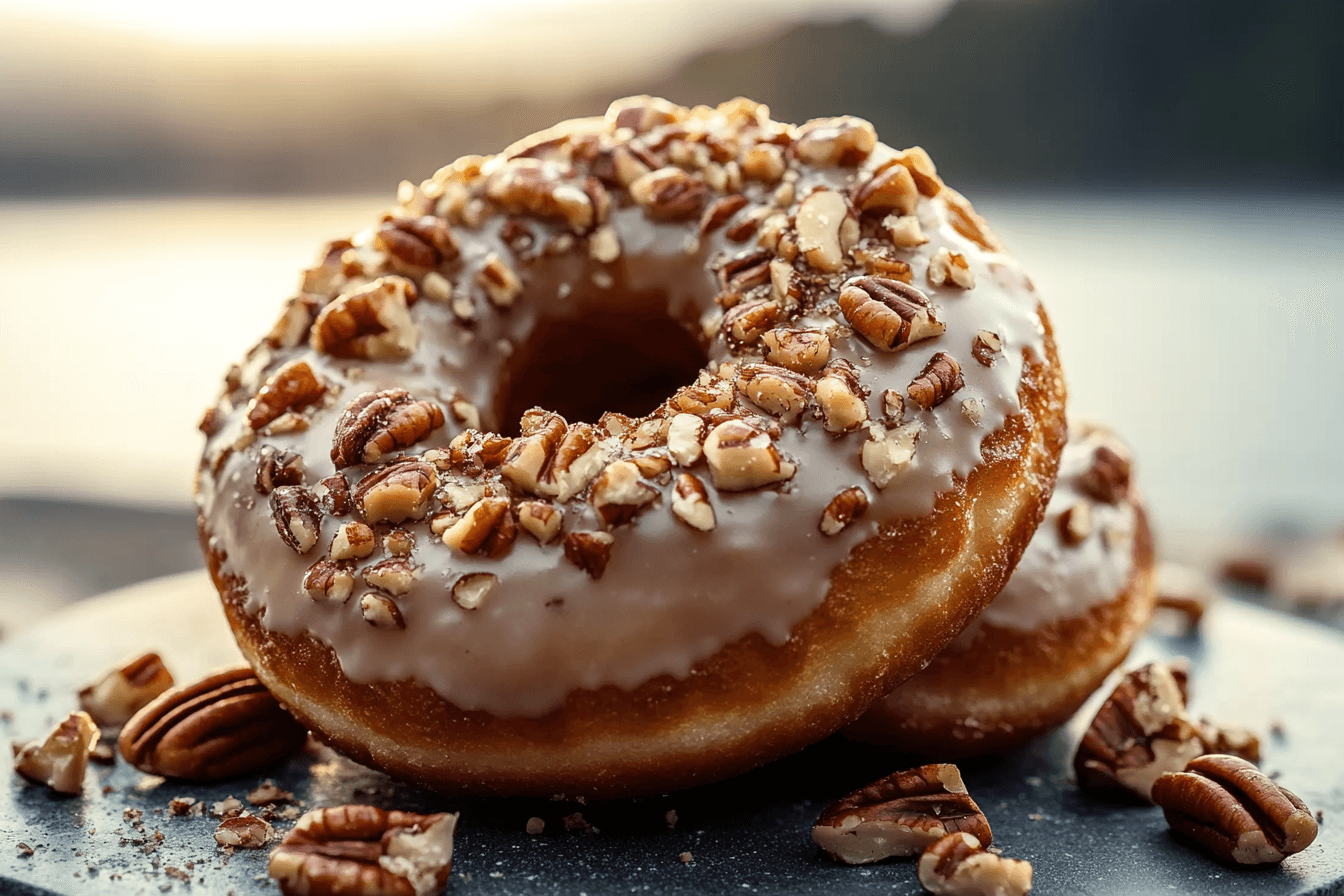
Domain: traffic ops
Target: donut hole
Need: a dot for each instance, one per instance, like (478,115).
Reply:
(628,363)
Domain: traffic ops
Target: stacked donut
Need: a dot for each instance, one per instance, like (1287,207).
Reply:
(653,448)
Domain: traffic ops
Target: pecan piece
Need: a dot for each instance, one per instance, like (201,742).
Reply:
(333,493)
(1231,741)
(775,390)
(1075,524)
(395,575)
(888,453)
(539,188)
(377,423)
(690,503)
(244,831)
(488,528)
(892,189)
(746,322)
(577,458)
(365,851)
(739,275)
(541,519)
(719,211)
(899,816)
(528,456)
(936,382)
(589,551)
(121,692)
(802,351)
(685,438)
(224,725)
(380,611)
(820,218)
(276,467)
(291,388)
(398,491)
(670,194)
(834,142)
(329,580)
(352,541)
(844,509)
(424,242)
(950,268)
(59,760)
(985,346)
(619,492)
(642,114)
(958,865)
(904,231)
(297,517)
(1233,810)
(370,322)
(742,456)
(295,321)
(921,168)
(472,588)
(888,313)
(840,398)
(1107,479)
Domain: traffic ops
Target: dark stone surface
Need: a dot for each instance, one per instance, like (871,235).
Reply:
(748,835)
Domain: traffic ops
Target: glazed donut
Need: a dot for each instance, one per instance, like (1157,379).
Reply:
(1078,600)
(649,450)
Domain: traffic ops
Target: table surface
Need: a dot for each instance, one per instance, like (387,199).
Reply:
(1250,667)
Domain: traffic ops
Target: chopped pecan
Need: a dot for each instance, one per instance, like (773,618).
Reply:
(802,351)
(397,491)
(708,394)
(297,517)
(540,188)
(742,456)
(922,170)
(423,242)
(642,114)
(121,692)
(370,322)
(295,321)
(1140,733)
(670,194)
(840,398)
(604,245)
(333,493)
(973,409)
(739,275)
(893,407)
(243,832)
(1230,741)
(958,865)
(541,518)
(719,211)
(936,382)
(377,423)
(488,528)
(985,346)
(888,453)
(275,467)
(399,543)
(819,221)
(891,189)
(224,725)
(828,142)
(437,287)
(966,222)
(365,851)
(381,611)
(685,438)
(844,509)
(395,575)
(763,162)
(899,815)
(904,231)
(353,541)
(746,322)
(690,503)
(502,286)
(577,458)
(775,390)
(291,388)
(589,551)
(329,580)
(59,760)
(888,313)
(1075,524)
(881,261)
(472,588)
(619,492)
(950,268)
(1107,478)
(472,452)
(1234,811)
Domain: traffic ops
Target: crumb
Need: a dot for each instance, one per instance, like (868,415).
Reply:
(686,858)
(182,805)
(25,850)
(267,793)
(108,788)
(149,782)
(997,850)
(131,814)
(226,807)
(671,818)
(177,874)
(1036,816)
(535,825)
(1320,818)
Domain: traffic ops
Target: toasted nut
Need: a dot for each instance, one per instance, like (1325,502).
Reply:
(541,519)
(380,611)
(365,851)
(499,281)
(893,407)
(685,438)
(690,503)
(844,508)
(578,457)
(881,261)
(888,453)
(899,815)
(1075,524)
(827,142)
(746,322)
(888,313)
(819,219)
(395,575)
(399,543)
(437,287)
(1230,808)
(957,865)
(742,456)
(529,455)
(619,492)
(642,114)
(985,346)
(1140,733)
(291,388)
(840,398)
(472,452)
(472,588)
(397,491)
(487,528)
(1229,741)
(1107,479)
(329,580)
(802,351)
(353,541)
(243,832)
(225,725)
(465,412)
(708,395)
(738,276)
(605,244)
(775,390)
(295,321)
(297,517)
(333,494)
(539,188)
(59,760)
(763,162)
(369,322)
(378,423)
(892,189)
(904,231)
(966,222)
(973,409)
(950,268)
(936,382)
(277,467)
(670,194)
(922,170)
(423,242)
(589,551)
(121,692)
(719,211)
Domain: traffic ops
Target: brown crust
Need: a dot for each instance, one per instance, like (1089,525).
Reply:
(1009,686)
(884,616)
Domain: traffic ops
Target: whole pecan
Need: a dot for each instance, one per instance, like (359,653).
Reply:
(1230,808)
(297,517)
(899,816)
(888,313)
(377,423)
(291,388)
(227,724)
(670,194)
(936,382)
(958,865)
(365,851)
(369,322)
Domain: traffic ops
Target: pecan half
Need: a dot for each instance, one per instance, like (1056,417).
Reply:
(377,423)
(227,724)
(888,313)
(670,194)
(365,851)
(589,551)
(291,388)
(423,242)
(742,456)
(957,865)
(1234,811)
(936,382)
(275,467)
(121,692)
(398,491)
(845,508)
(370,322)
(59,759)
(899,816)
(297,517)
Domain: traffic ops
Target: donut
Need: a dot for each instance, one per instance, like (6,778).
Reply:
(1080,597)
(653,448)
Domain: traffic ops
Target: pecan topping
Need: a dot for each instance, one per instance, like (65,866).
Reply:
(1075,524)
(499,281)
(888,453)
(59,760)
(380,611)
(957,865)
(881,261)
(291,388)
(690,503)
(120,693)
(642,114)
(297,517)
(243,832)
(685,438)
(763,162)
(746,322)
(488,528)
(922,170)
(709,394)
(353,541)
(619,492)
(436,287)
(473,452)
(802,351)
(529,455)
(1107,479)
(844,509)
(775,390)
(329,580)
(899,816)
(840,397)
(470,589)
(936,382)
(277,467)
(985,346)
(395,575)
(966,222)
(719,211)
(829,142)
(742,456)
(578,457)
(378,423)
(541,519)
(424,242)
(1140,733)
(225,725)
(888,313)
(589,551)
(370,322)
(891,189)
(670,194)
(950,268)
(893,407)
(333,493)
(819,221)
(738,275)
(1234,811)
(365,851)
(295,321)
(531,186)
(398,491)
(904,231)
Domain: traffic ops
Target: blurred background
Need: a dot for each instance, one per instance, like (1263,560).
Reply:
(1171,172)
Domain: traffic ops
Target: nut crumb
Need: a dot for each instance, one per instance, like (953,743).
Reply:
(535,825)
(671,818)
(686,858)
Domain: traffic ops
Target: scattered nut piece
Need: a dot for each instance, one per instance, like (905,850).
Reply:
(397,491)
(297,517)
(291,388)
(352,541)
(844,508)
(957,866)
(472,588)
(487,528)
(888,313)
(685,438)
(939,379)
(802,351)
(1107,479)
(395,575)
(268,793)
(891,189)
(775,390)
(378,423)
(904,231)
(499,281)
(535,825)
(742,456)
(59,760)
(380,611)
(985,346)
(888,453)
(243,832)
(1075,524)
(690,503)
(840,398)
(670,194)
(541,519)
(950,268)
(329,580)
(844,141)
(371,322)
(893,407)
(589,551)
(276,467)
(973,409)
(819,218)
(121,692)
